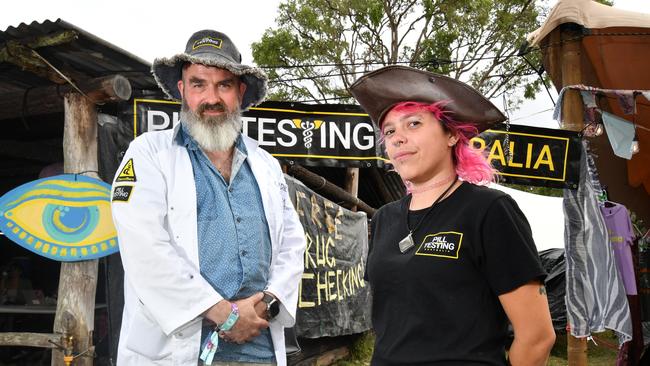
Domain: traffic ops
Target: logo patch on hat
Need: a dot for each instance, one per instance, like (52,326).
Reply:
(128,173)
(207,42)
(122,193)
(445,244)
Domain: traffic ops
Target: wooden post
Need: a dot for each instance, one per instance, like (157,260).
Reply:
(75,312)
(572,119)
(572,110)
(352,183)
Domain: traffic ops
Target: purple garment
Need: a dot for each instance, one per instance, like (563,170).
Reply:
(621,237)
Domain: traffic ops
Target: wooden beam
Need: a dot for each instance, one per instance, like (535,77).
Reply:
(41,340)
(318,183)
(352,183)
(75,312)
(49,99)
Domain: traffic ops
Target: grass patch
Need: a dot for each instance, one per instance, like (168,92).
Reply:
(598,355)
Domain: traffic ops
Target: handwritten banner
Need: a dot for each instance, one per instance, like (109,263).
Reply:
(334,299)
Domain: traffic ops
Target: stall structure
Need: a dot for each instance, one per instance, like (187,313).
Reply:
(596,57)
(63,96)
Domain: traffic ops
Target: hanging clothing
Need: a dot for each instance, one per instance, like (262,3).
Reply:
(621,237)
(620,133)
(595,295)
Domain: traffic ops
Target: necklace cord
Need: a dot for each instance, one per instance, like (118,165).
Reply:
(429,209)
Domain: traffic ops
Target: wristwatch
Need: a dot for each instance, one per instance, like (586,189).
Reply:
(272,306)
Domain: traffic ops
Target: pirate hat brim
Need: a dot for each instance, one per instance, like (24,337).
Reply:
(378,91)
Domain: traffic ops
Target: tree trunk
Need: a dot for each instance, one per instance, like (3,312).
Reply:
(75,313)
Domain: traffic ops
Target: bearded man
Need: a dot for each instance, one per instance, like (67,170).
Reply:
(211,245)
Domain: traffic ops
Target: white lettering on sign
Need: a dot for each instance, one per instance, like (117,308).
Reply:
(288,133)
(159,120)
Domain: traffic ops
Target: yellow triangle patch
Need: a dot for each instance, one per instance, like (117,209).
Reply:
(128,173)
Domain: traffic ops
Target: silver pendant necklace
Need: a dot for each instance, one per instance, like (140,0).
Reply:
(408,242)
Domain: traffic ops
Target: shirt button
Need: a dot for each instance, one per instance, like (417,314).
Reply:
(230,189)
(238,219)
(243,253)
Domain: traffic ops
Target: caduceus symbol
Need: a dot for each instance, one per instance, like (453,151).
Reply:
(307,133)
(307,128)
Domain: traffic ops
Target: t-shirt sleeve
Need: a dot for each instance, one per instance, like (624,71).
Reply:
(510,258)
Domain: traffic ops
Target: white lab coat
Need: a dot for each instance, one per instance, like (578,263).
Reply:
(164,292)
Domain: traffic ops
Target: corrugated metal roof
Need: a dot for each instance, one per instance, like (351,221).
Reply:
(84,56)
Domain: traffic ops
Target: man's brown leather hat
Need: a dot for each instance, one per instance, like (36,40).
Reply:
(379,90)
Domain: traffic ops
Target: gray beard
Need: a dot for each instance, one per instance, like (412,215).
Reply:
(214,133)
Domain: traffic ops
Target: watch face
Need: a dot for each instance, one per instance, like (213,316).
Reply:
(274,308)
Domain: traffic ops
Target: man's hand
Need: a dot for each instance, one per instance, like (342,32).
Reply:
(219,312)
(260,309)
(250,321)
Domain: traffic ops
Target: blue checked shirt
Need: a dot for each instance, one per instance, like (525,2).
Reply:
(234,239)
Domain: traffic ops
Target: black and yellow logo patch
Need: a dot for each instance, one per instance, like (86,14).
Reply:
(207,42)
(444,244)
(122,193)
(128,173)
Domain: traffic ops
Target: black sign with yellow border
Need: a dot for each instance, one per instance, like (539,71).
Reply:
(533,156)
(335,135)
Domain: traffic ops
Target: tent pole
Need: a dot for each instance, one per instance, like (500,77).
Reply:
(572,119)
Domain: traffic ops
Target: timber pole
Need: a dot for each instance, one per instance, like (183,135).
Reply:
(573,120)
(318,183)
(75,311)
(352,183)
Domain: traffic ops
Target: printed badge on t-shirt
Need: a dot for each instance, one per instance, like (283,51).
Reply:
(445,244)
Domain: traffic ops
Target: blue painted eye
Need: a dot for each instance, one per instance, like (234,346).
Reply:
(65,218)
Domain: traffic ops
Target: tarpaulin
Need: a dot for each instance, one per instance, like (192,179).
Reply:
(334,299)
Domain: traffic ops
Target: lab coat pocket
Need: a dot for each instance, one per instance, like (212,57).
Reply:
(147,338)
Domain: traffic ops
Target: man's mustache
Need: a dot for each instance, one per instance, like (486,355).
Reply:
(218,107)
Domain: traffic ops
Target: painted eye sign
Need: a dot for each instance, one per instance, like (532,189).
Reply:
(65,217)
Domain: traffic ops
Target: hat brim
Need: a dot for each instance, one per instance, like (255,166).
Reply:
(168,71)
(378,91)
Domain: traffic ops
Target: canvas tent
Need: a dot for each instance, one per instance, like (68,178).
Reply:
(586,43)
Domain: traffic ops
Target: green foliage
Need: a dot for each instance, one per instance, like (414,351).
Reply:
(360,351)
(324,45)
(544,191)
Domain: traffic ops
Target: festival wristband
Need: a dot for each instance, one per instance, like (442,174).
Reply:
(232,318)
(211,343)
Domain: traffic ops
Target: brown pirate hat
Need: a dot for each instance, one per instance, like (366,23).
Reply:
(379,90)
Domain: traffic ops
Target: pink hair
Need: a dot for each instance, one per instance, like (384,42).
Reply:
(471,164)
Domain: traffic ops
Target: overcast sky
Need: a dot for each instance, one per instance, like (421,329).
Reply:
(150,29)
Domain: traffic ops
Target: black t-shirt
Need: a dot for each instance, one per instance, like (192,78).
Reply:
(437,303)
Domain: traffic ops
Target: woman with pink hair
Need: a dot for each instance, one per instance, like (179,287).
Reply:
(453,262)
